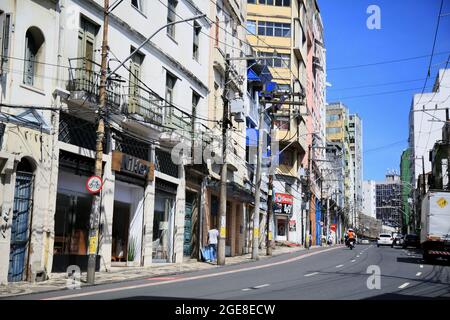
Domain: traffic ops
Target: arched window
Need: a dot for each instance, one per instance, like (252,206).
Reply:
(34,55)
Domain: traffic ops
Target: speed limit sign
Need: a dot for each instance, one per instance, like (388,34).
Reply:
(94,184)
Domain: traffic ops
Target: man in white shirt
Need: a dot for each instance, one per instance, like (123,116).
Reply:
(213,236)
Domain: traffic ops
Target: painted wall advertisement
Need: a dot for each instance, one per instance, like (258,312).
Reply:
(283,204)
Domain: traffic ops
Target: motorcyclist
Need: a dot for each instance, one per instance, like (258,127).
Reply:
(351,236)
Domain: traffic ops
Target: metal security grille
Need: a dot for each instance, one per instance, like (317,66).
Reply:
(76,164)
(20,226)
(164,163)
(131,146)
(76,131)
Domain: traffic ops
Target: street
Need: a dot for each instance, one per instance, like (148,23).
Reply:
(321,273)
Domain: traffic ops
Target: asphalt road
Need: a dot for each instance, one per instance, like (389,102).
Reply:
(336,273)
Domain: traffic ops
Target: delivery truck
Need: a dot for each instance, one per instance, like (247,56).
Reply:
(435,225)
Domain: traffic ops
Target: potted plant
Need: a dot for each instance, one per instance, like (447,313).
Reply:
(131,255)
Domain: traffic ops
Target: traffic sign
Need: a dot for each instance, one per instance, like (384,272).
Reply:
(94,184)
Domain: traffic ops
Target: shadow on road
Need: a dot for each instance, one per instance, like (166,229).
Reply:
(156,298)
(396,296)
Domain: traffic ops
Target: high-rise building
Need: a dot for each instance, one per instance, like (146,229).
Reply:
(389,204)
(369,207)
(289,33)
(338,131)
(355,141)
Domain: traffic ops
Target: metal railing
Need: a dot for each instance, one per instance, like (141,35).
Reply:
(84,75)
(144,104)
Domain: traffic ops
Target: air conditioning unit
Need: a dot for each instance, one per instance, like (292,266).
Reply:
(239,117)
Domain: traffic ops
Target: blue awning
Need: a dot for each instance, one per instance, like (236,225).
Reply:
(252,76)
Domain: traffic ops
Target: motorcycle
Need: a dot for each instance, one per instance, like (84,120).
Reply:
(351,244)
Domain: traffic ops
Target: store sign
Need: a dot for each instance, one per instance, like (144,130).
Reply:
(283,204)
(125,163)
(284,198)
(333,227)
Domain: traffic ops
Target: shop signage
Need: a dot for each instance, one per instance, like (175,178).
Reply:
(283,204)
(333,227)
(284,198)
(125,163)
(94,184)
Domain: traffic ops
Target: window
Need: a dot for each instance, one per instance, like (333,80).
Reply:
(34,54)
(5,29)
(287,158)
(333,130)
(251,26)
(137,4)
(196,42)
(135,78)
(278,3)
(282,123)
(274,29)
(333,117)
(195,102)
(279,60)
(251,1)
(170,87)
(171,17)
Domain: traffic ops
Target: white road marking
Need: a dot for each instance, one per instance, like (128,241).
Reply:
(418,274)
(421,266)
(246,289)
(357,256)
(262,286)
(220,273)
(311,274)
(341,265)
(353,260)
(404,285)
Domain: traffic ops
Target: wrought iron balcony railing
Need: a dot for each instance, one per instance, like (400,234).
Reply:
(84,76)
(144,104)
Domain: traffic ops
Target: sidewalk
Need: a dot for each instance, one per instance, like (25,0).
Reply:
(117,274)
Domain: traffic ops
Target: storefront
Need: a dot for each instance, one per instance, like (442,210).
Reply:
(164,222)
(283,211)
(73,207)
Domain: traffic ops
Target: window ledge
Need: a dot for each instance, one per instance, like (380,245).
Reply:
(172,38)
(32,88)
(140,12)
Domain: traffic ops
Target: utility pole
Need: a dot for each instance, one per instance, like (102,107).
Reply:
(223,174)
(269,212)
(255,244)
(308,192)
(423,175)
(95,210)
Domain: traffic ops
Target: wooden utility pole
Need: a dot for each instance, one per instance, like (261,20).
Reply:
(96,205)
(223,174)
(255,244)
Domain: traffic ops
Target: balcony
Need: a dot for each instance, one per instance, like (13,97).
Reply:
(178,120)
(219,60)
(145,105)
(84,85)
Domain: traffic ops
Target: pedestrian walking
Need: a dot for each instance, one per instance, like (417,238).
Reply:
(213,236)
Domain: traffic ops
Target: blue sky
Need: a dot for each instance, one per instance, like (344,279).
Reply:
(407,30)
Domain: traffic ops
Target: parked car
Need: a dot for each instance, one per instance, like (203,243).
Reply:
(364,241)
(385,239)
(411,240)
(398,240)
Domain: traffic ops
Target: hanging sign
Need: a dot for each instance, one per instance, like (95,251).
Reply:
(125,163)
(283,204)
(94,184)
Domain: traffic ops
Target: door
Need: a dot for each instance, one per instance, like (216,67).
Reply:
(134,89)
(86,44)
(20,227)
(190,204)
